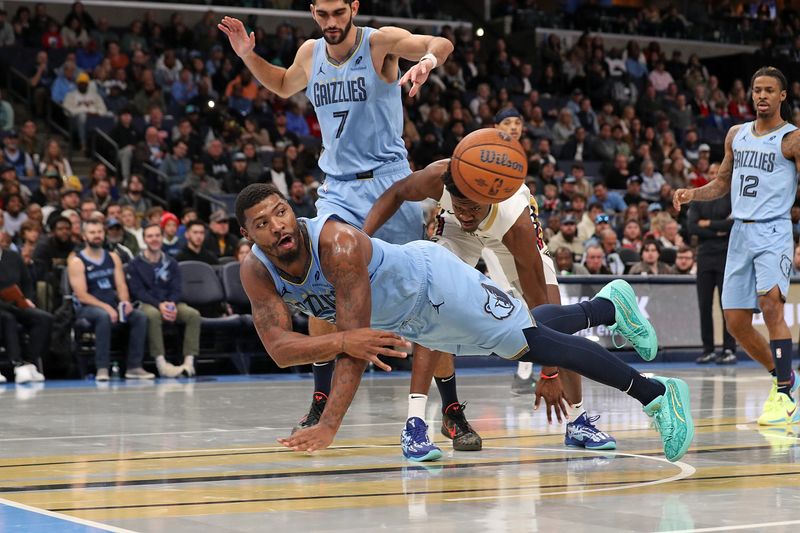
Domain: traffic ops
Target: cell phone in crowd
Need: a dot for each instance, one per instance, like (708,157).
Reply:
(121,311)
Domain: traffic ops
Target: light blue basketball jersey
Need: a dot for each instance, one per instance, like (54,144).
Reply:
(420,291)
(397,280)
(360,115)
(764,182)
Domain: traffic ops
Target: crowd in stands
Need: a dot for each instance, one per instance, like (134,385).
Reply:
(610,134)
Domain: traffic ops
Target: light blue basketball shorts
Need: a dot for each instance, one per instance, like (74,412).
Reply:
(351,198)
(759,258)
(463,312)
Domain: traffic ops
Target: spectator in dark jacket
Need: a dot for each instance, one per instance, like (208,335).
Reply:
(19,310)
(219,240)
(194,250)
(300,202)
(154,279)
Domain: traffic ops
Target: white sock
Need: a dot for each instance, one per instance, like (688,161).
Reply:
(574,411)
(160,360)
(416,405)
(524,370)
(188,360)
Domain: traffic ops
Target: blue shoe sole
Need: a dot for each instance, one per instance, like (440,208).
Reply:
(433,455)
(578,444)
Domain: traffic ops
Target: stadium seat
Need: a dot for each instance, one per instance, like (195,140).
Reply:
(629,257)
(202,289)
(668,256)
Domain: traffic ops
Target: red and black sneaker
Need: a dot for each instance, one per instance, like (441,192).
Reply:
(312,418)
(456,428)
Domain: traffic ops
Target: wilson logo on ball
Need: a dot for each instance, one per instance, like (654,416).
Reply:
(502,160)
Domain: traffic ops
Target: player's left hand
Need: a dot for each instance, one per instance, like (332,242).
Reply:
(310,439)
(553,393)
(417,75)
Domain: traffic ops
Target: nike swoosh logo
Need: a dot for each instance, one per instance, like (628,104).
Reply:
(452,432)
(674,397)
(791,413)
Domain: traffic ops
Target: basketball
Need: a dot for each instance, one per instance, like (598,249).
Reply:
(488,166)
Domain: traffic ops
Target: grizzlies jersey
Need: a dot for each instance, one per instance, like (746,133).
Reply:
(360,115)
(764,182)
(397,281)
(100,281)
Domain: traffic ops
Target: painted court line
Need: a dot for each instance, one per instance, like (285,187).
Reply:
(686,471)
(66,518)
(755,526)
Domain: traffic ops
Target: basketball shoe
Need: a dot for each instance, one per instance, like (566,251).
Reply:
(776,411)
(456,428)
(415,442)
(584,434)
(672,417)
(631,323)
(521,386)
(314,413)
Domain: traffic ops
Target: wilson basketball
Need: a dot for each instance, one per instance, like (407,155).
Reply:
(488,166)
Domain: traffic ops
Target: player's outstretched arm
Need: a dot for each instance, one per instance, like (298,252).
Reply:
(273,322)
(429,51)
(520,240)
(716,188)
(283,82)
(417,186)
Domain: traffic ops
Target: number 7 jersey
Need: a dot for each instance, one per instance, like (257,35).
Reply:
(360,114)
(763,182)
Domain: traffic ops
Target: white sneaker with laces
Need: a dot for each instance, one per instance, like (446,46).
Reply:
(36,376)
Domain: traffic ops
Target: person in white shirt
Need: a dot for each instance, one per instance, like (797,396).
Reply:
(81,103)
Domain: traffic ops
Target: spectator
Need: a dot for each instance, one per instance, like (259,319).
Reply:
(593,260)
(586,224)
(50,255)
(103,34)
(170,244)
(238,178)
(134,196)
(41,81)
(660,78)
(633,193)
(98,282)
(219,241)
(566,265)
(617,176)
(15,216)
(184,88)
(195,250)
(168,68)
(684,262)
(632,235)
(296,122)
(218,164)
(177,167)
(130,222)
(610,245)
(564,128)
(652,181)
(101,193)
(6,115)
(87,209)
(670,236)
(567,237)
(73,34)
(199,181)
(22,162)
(126,137)
(155,280)
(300,202)
(55,157)
(187,215)
(650,264)
(604,147)
(278,175)
(611,201)
(81,103)
(578,147)
(280,134)
(115,237)
(19,310)
(242,249)
(7,36)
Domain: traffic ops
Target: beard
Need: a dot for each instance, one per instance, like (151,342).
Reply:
(94,245)
(342,36)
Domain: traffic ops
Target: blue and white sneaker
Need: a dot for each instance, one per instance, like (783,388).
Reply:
(415,442)
(584,434)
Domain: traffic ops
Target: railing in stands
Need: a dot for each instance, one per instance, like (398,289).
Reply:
(18,86)
(57,116)
(101,155)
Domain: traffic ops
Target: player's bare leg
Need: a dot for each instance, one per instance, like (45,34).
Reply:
(775,355)
(323,374)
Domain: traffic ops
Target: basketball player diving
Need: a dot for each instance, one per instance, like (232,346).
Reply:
(507,228)
(759,169)
(351,77)
(379,294)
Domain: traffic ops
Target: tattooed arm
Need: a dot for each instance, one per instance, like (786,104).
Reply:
(273,322)
(716,188)
(344,253)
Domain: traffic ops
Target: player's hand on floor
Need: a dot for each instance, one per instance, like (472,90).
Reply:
(368,344)
(553,393)
(309,439)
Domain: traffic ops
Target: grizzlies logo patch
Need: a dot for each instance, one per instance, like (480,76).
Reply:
(498,303)
(786,266)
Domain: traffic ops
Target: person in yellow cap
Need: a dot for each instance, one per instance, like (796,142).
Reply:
(82,102)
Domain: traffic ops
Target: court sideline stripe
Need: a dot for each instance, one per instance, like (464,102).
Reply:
(66,518)
(739,527)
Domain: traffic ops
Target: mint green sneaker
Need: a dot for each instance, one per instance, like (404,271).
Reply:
(631,323)
(672,417)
